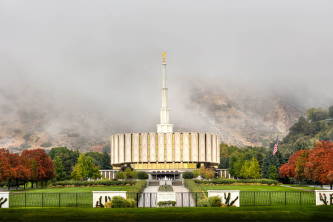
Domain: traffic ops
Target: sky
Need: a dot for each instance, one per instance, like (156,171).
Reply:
(101,59)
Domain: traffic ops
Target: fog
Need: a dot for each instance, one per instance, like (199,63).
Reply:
(94,66)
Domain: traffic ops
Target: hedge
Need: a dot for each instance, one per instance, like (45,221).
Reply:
(231,181)
(94,182)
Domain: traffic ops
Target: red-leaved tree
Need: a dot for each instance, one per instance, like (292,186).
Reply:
(319,166)
(39,165)
(315,164)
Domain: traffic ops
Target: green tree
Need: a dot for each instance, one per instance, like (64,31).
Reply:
(272,172)
(59,169)
(250,169)
(330,111)
(67,157)
(101,159)
(85,168)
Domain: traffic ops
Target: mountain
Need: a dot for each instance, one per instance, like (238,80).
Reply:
(31,118)
(247,119)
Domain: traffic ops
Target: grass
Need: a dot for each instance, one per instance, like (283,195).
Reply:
(250,188)
(79,189)
(324,213)
(67,196)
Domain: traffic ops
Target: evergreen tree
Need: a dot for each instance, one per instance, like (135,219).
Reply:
(59,169)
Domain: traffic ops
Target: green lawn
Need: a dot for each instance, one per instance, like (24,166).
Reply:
(62,196)
(251,188)
(169,214)
(80,189)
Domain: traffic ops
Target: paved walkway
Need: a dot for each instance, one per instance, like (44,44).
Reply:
(148,198)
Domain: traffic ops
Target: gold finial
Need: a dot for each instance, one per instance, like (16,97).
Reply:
(164,55)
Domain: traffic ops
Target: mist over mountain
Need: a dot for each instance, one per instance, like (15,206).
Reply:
(73,74)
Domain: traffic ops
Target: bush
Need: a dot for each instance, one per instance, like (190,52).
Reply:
(108,205)
(142,175)
(139,186)
(187,175)
(214,201)
(165,188)
(94,183)
(203,202)
(168,203)
(131,203)
(120,175)
(119,202)
(231,181)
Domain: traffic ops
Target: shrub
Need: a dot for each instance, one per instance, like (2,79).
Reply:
(196,173)
(203,202)
(231,181)
(131,203)
(120,175)
(139,186)
(119,202)
(108,205)
(214,201)
(142,175)
(94,183)
(168,203)
(165,188)
(187,175)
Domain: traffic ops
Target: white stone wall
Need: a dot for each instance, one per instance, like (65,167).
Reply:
(177,147)
(186,147)
(164,147)
(144,147)
(121,148)
(233,195)
(106,195)
(202,148)
(4,197)
(169,152)
(194,147)
(208,148)
(161,147)
(152,147)
(324,197)
(135,154)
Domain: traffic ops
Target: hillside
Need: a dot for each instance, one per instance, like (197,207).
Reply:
(39,120)
(316,125)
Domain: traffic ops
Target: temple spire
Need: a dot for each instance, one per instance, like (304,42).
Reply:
(164,126)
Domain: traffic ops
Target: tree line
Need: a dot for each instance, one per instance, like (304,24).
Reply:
(37,167)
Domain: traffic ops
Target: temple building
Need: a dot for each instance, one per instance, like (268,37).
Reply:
(164,153)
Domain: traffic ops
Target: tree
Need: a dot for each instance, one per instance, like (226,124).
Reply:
(59,169)
(317,114)
(68,159)
(287,170)
(85,168)
(272,172)
(4,166)
(330,111)
(39,165)
(250,169)
(101,159)
(320,163)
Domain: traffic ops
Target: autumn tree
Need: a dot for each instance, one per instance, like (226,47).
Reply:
(319,166)
(39,164)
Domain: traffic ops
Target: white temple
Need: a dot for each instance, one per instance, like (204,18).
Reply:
(165,153)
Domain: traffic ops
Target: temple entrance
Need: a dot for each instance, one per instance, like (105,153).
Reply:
(165,175)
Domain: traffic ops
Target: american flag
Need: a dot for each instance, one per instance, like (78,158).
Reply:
(276,146)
